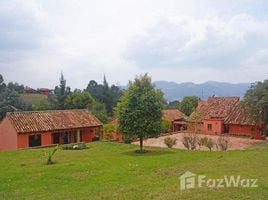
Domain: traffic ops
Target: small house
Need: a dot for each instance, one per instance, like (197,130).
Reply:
(43,128)
(177,119)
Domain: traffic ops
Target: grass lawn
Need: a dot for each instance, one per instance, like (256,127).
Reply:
(34,98)
(113,171)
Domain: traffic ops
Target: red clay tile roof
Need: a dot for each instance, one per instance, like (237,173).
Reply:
(37,121)
(214,107)
(173,114)
(240,115)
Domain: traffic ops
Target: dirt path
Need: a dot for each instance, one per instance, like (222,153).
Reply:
(235,142)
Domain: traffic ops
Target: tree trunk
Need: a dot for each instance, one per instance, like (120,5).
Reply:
(141,143)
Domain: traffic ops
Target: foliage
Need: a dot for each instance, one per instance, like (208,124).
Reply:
(256,98)
(10,100)
(165,126)
(190,141)
(170,142)
(188,104)
(98,109)
(173,105)
(16,87)
(223,143)
(74,146)
(207,142)
(50,154)
(139,110)
(127,139)
(109,128)
(61,92)
(79,100)
(104,94)
(107,136)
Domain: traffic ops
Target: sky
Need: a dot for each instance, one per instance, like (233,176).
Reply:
(173,40)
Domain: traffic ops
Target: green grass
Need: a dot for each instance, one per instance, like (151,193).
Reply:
(34,98)
(108,170)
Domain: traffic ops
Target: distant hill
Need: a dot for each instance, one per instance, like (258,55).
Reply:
(176,91)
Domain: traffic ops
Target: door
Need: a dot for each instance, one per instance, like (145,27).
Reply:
(66,138)
(56,138)
(34,140)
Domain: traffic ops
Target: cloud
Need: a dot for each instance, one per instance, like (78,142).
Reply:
(175,40)
(194,43)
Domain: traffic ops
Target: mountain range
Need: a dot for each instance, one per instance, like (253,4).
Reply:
(176,91)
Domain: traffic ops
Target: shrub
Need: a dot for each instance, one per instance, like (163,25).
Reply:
(165,126)
(107,136)
(193,141)
(185,141)
(127,139)
(74,146)
(109,128)
(190,141)
(207,142)
(50,154)
(170,142)
(223,143)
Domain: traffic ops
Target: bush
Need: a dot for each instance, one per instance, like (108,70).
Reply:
(193,141)
(223,143)
(107,136)
(109,128)
(207,142)
(170,142)
(50,154)
(190,141)
(185,141)
(74,146)
(127,139)
(165,126)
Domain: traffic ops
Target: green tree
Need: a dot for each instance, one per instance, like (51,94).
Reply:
(139,110)
(98,109)
(79,100)
(103,93)
(58,101)
(188,104)
(10,101)
(173,105)
(256,98)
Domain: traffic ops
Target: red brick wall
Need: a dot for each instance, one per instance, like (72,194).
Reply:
(46,139)
(88,134)
(245,130)
(8,135)
(23,140)
(217,126)
(195,127)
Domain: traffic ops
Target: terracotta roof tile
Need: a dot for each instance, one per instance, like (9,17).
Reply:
(36,121)
(214,107)
(240,115)
(173,114)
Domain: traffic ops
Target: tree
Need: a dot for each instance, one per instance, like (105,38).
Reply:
(139,110)
(2,84)
(10,101)
(79,100)
(98,109)
(256,98)
(173,105)
(61,92)
(105,94)
(188,104)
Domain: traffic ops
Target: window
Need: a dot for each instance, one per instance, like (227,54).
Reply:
(210,127)
(34,140)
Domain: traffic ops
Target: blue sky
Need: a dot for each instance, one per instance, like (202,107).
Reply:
(173,40)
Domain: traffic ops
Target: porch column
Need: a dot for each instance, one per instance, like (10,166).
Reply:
(78,135)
